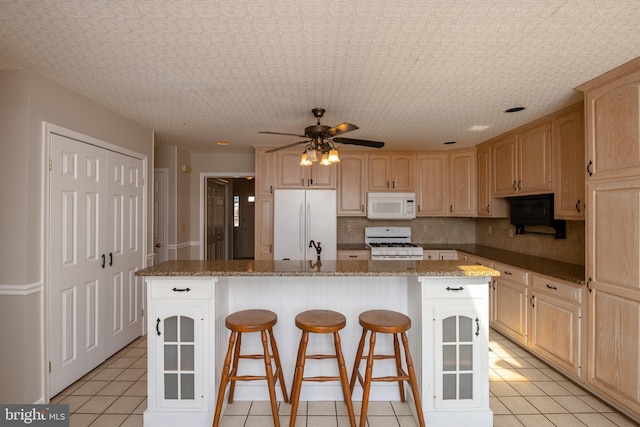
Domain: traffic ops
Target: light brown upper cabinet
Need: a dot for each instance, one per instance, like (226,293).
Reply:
(432,171)
(391,172)
(352,197)
(487,205)
(265,167)
(613,129)
(462,182)
(289,173)
(568,157)
(522,162)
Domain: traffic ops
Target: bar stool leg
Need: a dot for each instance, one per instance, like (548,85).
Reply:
(224,380)
(366,387)
(234,366)
(346,391)
(270,379)
(412,379)
(297,377)
(276,357)
(396,352)
(354,373)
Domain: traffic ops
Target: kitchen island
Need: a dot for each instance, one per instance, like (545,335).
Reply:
(187,302)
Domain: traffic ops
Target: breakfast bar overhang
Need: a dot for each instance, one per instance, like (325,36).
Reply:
(447,301)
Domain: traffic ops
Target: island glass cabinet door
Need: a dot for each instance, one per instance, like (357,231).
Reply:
(178,346)
(457,357)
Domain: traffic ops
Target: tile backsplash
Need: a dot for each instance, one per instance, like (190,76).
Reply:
(497,233)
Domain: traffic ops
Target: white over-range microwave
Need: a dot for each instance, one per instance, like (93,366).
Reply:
(391,205)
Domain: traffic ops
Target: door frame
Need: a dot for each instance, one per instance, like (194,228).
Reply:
(165,208)
(47,130)
(203,201)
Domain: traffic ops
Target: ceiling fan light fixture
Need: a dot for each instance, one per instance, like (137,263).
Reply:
(325,159)
(312,155)
(333,156)
(304,160)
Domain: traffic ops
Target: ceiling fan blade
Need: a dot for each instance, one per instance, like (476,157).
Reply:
(288,134)
(363,142)
(340,129)
(286,146)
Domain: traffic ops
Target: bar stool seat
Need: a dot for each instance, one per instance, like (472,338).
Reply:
(248,321)
(320,322)
(385,322)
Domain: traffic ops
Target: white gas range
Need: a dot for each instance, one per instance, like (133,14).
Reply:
(391,243)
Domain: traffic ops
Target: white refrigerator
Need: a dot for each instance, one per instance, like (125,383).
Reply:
(300,216)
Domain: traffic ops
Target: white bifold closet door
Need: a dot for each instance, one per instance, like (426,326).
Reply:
(95,248)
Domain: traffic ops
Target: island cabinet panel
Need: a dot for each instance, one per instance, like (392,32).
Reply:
(180,351)
(452,340)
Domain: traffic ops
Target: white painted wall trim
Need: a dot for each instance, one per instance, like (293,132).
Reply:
(183,245)
(21,290)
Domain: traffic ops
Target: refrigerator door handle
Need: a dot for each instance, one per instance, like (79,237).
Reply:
(301,235)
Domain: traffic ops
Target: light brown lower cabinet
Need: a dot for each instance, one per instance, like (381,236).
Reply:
(510,293)
(354,254)
(556,322)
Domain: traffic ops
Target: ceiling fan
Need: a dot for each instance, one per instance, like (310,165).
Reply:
(320,139)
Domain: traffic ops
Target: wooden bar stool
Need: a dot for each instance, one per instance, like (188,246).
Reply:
(385,322)
(320,322)
(251,321)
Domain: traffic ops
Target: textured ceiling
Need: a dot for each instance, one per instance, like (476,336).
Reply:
(412,73)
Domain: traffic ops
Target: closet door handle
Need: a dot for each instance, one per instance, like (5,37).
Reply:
(110,259)
(103,260)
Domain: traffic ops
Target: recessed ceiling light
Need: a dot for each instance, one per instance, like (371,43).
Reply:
(222,142)
(513,109)
(479,127)
(449,142)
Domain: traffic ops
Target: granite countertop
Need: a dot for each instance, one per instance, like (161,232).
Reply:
(309,268)
(574,273)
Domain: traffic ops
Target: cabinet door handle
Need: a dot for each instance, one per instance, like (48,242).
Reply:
(533,304)
(588,284)
(451,208)
(508,273)
(181,290)
(460,288)
(578,205)
(353,256)
(519,184)
(514,185)
(477,326)
(488,208)
(590,168)
(158,326)
(103,260)
(110,259)
(552,287)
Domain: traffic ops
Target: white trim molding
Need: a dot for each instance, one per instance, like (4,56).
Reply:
(21,290)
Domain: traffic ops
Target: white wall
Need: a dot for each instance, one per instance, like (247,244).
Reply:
(26,101)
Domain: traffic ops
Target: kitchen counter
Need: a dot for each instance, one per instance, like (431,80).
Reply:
(560,270)
(314,268)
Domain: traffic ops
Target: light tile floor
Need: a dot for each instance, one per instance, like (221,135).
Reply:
(524,392)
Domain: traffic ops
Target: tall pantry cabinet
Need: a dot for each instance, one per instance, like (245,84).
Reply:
(612,106)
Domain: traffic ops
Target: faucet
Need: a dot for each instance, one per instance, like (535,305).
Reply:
(317,247)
